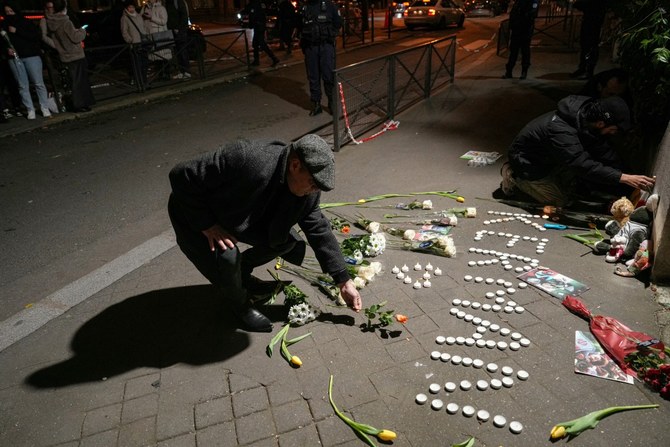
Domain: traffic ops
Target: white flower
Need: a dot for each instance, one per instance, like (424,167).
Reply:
(376,267)
(409,235)
(358,256)
(359,282)
(303,313)
(376,245)
(373,227)
(471,212)
(453,220)
(365,272)
(447,243)
(427,205)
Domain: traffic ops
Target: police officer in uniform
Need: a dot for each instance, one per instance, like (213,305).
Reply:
(320,25)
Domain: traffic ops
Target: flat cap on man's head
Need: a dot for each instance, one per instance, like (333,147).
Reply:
(616,112)
(318,158)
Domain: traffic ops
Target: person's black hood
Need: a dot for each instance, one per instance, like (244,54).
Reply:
(568,109)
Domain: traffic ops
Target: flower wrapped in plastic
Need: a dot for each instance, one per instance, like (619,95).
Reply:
(441,245)
(622,343)
(303,313)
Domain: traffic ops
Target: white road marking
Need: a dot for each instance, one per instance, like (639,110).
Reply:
(29,320)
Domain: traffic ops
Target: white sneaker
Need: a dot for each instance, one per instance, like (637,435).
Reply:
(46,113)
(186,75)
(178,76)
(31,114)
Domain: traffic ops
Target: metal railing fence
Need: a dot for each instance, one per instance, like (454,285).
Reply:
(371,92)
(225,52)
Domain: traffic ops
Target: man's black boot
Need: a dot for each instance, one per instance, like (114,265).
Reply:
(524,73)
(316,109)
(253,320)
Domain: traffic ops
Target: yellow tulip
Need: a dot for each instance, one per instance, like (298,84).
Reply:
(295,361)
(386,435)
(460,199)
(361,201)
(558,432)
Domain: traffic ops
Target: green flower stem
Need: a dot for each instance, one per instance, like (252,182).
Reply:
(365,200)
(577,426)
(280,335)
(467,443)
(297,339)
(450,194)
(362,429)
(588,239)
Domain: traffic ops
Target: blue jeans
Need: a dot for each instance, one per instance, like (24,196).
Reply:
(25,69)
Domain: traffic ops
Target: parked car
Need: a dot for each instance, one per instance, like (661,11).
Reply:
(482,8)
(434,13)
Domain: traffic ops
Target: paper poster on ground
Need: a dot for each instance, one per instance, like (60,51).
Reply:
(553,283)
(592,360)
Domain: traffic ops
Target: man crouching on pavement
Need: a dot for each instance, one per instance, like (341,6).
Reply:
(255,192)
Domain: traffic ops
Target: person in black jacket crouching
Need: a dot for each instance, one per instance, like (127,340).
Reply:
(562,155)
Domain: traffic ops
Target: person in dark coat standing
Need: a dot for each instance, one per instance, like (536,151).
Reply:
(288,17)
(68,41)
(257,21)
(320,25)
(255,192)
(177,21)
(562,155)
(594,12)
(521,24)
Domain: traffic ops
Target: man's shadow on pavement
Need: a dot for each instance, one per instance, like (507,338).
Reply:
(156,329)
(285,88)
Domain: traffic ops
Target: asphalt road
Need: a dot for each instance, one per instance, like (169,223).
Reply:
(81,193)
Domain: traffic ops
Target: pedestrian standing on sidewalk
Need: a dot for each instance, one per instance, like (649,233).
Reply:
(155,22)
(134,33)
(319,27)
(288,17)
(565,155)
(255,10)
(255,192)
(594,12)
(22,41)
(521,25)
(68,41)
(177,21)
